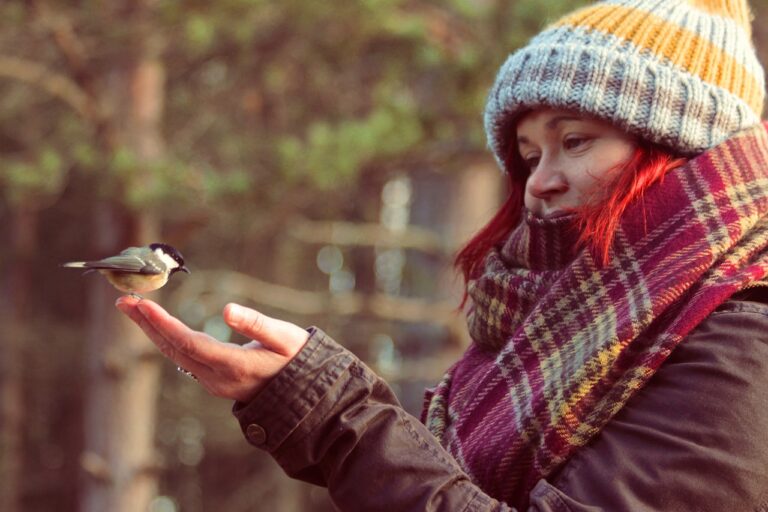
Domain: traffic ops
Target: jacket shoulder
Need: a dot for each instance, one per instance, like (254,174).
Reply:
(694,437)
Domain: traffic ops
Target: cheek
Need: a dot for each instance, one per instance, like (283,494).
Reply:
(528,198)
(586,178)
(597,171)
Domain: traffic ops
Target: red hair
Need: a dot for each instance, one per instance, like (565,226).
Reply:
(597,221)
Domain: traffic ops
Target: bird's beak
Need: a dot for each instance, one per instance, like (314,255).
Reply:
(184,269)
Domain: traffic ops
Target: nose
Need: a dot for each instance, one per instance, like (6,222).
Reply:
(546,180)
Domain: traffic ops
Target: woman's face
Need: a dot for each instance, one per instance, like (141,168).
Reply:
(568,156)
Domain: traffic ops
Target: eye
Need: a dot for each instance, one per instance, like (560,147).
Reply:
(575,141)
(531,161)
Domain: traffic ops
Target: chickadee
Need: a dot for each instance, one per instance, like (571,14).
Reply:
(137,269)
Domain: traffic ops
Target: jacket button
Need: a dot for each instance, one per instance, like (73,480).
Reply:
(256,434)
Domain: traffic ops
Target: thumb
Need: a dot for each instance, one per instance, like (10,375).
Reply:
(277,335)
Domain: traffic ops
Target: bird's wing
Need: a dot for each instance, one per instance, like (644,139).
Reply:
(125,263)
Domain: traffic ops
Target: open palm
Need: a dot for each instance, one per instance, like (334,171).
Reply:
(226,370)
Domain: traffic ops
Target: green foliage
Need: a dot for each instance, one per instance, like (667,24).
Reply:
(24,181)
(172,184)
(291,94)
(295,92)
(331,154)
(85,155)
(200,32)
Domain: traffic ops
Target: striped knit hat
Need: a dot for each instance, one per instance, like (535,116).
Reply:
(682,74)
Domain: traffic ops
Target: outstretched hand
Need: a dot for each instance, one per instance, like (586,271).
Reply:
(226,370)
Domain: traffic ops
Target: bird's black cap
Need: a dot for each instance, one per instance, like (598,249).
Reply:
(173,253)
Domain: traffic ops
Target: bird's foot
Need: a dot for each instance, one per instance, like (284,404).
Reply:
(136,296)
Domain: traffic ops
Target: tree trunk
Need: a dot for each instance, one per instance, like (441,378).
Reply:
(119,459)
(14,317)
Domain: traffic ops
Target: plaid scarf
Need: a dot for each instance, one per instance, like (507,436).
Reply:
(560,343)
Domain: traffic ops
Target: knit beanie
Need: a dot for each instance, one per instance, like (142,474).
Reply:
(682,74)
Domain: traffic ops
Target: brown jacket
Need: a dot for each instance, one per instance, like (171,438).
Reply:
(695,438)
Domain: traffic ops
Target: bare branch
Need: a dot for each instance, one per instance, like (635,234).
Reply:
(211,288)
(49,81)
(66,40)
(367,234)
(64,36)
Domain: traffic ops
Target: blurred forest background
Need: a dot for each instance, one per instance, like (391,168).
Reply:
(319,161)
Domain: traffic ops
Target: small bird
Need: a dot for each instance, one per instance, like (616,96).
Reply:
(137,269)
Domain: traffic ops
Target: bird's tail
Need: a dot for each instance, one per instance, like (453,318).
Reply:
(75,264)
(79,264)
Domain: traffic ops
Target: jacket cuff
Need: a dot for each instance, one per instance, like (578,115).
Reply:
(277,410)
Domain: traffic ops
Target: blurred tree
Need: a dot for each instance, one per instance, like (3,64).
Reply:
(120,107)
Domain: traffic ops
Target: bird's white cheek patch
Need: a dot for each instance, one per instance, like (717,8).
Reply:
(170,263)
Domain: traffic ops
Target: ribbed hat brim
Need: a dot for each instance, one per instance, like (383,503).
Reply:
(630,80)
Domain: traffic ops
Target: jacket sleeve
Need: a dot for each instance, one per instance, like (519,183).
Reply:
(329,420)
(692,439)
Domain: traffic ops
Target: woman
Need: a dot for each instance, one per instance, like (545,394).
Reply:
(619,327)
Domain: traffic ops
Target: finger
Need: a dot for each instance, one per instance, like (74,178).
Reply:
(175,340)
(190,343)
(128,306)
(127,300)
(277,335)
